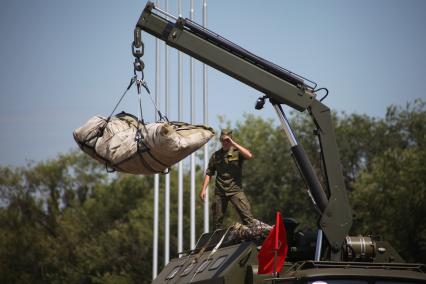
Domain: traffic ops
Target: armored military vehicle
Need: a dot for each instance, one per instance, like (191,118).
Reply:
(326,256)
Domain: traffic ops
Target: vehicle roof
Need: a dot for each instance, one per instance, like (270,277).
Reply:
(358,270)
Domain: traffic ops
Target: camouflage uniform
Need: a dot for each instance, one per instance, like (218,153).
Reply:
(228,168)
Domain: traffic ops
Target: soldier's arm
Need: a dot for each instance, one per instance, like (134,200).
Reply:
(244,151)
(210,171)
(205,184)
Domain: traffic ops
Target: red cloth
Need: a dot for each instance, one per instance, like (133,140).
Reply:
(275,242)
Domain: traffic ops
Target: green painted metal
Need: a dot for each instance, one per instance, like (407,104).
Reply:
(240,262)
(337,219)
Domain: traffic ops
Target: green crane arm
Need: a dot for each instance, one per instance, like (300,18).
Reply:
(281,87)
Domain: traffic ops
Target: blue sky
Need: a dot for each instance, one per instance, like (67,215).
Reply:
(65,61)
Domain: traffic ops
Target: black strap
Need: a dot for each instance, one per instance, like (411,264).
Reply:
(132,81)
(145,163)
(147,150)
(143,84)
(109,169)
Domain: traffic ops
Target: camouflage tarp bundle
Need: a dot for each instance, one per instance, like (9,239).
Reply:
(127,145)
(256,231)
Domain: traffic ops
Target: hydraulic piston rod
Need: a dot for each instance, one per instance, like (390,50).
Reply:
(303,162)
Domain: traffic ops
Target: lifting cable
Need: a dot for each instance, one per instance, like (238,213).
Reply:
(138,78)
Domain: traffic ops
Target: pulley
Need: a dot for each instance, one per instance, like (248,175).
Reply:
(359,248)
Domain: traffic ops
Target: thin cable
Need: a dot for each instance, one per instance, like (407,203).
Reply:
(132,81)
(156,109)
(322,89)
(140,109)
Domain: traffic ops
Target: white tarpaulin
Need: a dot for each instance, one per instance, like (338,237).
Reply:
(129,146)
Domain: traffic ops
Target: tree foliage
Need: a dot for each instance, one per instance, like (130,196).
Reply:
(67,221)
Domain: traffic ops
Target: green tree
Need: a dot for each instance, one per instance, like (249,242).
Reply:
(66,220)
(390,194)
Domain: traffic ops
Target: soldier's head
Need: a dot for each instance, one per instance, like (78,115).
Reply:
(225,136)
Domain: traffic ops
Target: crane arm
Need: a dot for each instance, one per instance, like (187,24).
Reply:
(281,86)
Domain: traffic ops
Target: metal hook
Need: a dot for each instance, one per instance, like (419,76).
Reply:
(138,53)
(138,38)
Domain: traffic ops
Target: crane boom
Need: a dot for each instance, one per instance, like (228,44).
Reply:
(282,87)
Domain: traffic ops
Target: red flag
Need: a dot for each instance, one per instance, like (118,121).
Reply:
(275,243)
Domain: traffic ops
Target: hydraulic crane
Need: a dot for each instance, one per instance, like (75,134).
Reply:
(339,257)
(281,87)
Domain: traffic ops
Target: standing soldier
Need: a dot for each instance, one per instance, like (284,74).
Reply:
(227,164)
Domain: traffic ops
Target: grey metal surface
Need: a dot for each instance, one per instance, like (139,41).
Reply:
(318,245)
(286,126)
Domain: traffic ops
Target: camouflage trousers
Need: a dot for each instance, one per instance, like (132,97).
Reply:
(240,202)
